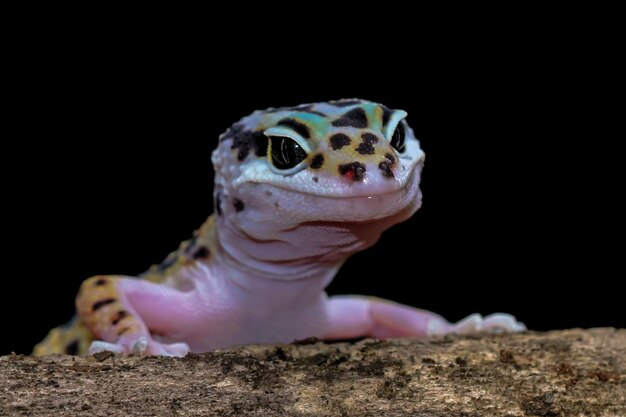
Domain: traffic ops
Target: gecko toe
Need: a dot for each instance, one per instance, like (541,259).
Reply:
(140,346)
(502,323)
(100,346)
(469,325)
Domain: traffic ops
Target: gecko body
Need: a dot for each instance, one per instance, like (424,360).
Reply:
(297,191)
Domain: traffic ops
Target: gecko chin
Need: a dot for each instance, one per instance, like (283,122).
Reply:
(288,225)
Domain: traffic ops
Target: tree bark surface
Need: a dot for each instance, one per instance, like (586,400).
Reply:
(558,373)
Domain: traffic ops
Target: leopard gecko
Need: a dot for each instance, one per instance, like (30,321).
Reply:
(297,191)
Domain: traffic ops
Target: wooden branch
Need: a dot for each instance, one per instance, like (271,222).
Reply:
(560,373)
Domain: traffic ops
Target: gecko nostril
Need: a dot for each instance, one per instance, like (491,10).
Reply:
(386,169)
(354,171)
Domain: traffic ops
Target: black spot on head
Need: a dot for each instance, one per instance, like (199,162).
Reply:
(339,140)
(366,147)
(353,170)
(345,103)
(386,115)
(315,179)
(260,143)
(218,203)
(298,127)
(354,118)
(101,281)
(390,157)
(99,304)
(72,347)
(317,162)
(369,138)
(119,316)
(246,141)
(386,169)
(202,253)
(238,205)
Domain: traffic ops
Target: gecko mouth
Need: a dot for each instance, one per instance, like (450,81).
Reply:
(340,188)
(294,205)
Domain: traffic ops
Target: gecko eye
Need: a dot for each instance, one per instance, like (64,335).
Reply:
(397,139)
(285,152)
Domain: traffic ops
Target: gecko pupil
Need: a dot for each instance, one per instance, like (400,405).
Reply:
(286,153)
(397,139)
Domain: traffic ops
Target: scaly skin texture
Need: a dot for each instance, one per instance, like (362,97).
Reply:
(297,191)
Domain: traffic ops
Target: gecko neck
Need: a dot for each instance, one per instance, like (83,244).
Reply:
(302,257)
(294,263)
(288,241)
(308,251)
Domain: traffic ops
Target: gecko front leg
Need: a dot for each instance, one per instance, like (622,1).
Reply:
(354,316)
(125,313)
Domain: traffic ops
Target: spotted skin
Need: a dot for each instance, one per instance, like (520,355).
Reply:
(317,162)
(73,338)
(339,140)
(297,191)
(347,138)
(102,311)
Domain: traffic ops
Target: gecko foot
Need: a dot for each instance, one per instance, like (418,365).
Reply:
(494,323)
(140,346)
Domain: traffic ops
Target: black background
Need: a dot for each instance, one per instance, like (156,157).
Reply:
(107,168)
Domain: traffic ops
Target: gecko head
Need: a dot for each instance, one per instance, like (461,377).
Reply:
(338,161)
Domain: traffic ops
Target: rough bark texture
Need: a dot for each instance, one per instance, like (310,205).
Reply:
(560,373)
